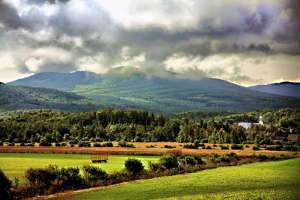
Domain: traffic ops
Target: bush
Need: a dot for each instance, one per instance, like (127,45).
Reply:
(169,161)
(84,144)
(1,143)
(237,147)
(255,148)
(125,144)
(274,147)
(204,140)
(224,147)
(188,160)
(190,146)
(108,144)
(150,146)
(94,176)
(169,147)
(97,145)
(134,166)
(5,185)
(262,157)
(45,144)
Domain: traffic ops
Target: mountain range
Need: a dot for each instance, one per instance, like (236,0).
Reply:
(130,88)
(283,88)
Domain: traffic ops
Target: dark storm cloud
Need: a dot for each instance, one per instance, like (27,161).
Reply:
(9,16)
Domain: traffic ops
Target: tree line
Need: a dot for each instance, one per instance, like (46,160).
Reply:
(46,126)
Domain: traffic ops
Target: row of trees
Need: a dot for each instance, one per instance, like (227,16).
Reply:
(130,125)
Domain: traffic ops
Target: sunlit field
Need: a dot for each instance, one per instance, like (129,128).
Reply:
(15,164)
(269,180)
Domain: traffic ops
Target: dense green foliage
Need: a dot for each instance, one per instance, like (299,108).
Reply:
(134,166)
(14,99)
(5,184)
(269,180)
(132,125)
(129,88)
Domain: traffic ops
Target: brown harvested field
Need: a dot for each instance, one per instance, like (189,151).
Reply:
(140,149)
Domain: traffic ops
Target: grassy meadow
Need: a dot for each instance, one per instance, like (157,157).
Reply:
(258,181)
(15,164)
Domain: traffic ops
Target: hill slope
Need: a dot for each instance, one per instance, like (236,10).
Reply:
(131,88)
(283,88)
(15,98)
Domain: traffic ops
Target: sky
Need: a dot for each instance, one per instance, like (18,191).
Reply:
(246,42)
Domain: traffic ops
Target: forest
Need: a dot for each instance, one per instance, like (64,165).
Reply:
(45,127)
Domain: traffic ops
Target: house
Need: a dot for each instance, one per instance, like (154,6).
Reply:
(245,125)
(294,137)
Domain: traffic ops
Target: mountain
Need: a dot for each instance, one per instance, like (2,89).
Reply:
(19,98)
(129,87)
(283,88)
(61,81)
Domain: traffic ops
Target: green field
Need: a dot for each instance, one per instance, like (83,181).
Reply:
(259,181)
(15,164)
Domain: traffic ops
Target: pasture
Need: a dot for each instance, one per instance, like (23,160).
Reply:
(15,164)
(267,180)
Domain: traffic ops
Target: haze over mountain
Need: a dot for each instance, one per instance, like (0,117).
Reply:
(19,98)
(283,88)
(130,87)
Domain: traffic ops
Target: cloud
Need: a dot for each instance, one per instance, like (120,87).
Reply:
(194,38)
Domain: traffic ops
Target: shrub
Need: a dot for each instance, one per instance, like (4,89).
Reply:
(5,185)
(237,147)
(190,146)
(134,166)
(150,146)
(125,144)
(262,157)
(97,145)
(274,147)
(84,144)
(108,144)
(255,148)
(204,140)
(94,175)
(45,144)
(1,143)
(40,177)
(169,147)
(169,161)
(188,160)
(223,147)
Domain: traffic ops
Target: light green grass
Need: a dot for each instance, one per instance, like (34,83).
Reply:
(259,181)
(15,164)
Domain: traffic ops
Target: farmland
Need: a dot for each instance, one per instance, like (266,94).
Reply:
(269,180)
(15,164)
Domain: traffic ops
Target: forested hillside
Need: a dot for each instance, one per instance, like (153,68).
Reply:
(14,99)
(132,125)
(127,87)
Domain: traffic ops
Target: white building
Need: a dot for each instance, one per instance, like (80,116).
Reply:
(247,125)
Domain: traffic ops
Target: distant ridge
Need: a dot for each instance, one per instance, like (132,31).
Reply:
(130,87)
(284,88)
(18,98)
